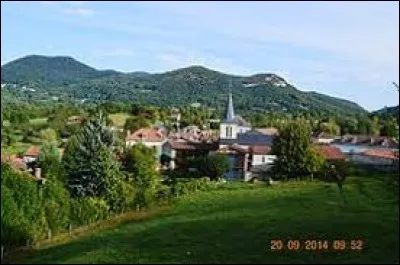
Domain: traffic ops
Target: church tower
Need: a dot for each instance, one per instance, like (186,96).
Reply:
(228,127)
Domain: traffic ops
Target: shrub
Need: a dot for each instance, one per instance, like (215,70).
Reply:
(187,186)
(88,210)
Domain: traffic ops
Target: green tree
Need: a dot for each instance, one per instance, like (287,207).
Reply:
(294,157)
(390,127)
(213,166)
(81,158)
(134,123)
(140,163)
(48,135)
(49,161)
(329,127)
(314,163)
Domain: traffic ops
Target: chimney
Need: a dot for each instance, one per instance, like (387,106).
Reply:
(38,173)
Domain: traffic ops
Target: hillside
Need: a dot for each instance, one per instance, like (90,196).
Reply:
(388,111)
(43,70)
(64,77)
(236,224)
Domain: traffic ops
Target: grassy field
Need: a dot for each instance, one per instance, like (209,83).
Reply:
(237,223)
(119,118)
(38,121)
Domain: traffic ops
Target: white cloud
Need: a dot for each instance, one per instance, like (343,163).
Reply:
(79,11)
(174,60)
(48,3)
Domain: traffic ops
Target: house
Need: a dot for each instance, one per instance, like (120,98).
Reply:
(248,149)
(151,137)
(31,154)
(368,140)
(376,157)
(323,138)
(179,149)
(330,152)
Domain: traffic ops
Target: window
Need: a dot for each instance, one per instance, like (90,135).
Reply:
(228,131)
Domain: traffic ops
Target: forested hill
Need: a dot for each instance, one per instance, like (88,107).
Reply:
(43,70)
(64,77)
(388,111)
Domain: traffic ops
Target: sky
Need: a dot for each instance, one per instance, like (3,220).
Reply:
(343,49)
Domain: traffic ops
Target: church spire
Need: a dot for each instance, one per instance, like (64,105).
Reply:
(230,114)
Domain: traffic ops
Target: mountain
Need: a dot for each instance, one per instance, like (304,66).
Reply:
(388,111)
(64,77)
(46,70)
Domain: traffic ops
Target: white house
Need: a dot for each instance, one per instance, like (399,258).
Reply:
(150,137)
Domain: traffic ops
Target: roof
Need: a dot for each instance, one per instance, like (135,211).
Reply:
(252,137)
(229,112)
(14,161)
(147,135)
(323,135)
(187,145)
(389,154)
(369,140)
(254,150)
(330,152)
(33,150)
(268,131)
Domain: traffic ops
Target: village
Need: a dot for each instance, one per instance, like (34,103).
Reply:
(248,149)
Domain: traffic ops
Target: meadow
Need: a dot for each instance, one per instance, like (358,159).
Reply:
(237,222)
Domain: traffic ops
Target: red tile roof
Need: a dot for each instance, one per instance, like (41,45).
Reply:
(254,149)
(382,153)
(33,150)
(260,149)
(330,152)
(147,135)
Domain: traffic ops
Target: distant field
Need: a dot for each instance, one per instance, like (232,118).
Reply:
(236,225)
(38,121)
(119,118)
(15,149)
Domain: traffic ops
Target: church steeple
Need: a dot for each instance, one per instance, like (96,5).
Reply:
(229,113)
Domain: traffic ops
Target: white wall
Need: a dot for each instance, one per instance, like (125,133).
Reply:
(243,129)
(29,159)
(223,131)
(258,160)
(325,140)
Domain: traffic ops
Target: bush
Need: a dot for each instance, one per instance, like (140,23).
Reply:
(88,210)
(187,186)
(56,205)
(23,216)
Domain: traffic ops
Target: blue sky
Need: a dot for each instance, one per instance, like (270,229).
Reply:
(344,49)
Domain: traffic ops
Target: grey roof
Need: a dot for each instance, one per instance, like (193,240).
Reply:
(251,137)
(229,113)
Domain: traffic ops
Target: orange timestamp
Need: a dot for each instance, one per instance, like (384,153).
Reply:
(317,245)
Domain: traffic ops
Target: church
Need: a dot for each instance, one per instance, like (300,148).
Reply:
(248,149)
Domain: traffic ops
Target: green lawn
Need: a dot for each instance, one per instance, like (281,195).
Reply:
(38,121)
(236,225)
(119,118)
